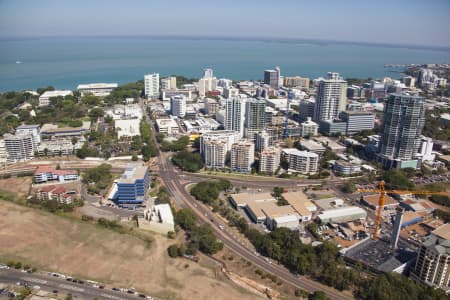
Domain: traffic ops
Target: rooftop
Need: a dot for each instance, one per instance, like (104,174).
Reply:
(295,151)
(374,199)
(300,202)
(312,145)
(56,93)
(97,86)
(31,126)
(133,173)
(443,231)
(244,198)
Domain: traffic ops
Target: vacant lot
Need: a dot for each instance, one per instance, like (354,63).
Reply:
(18,185)
(84,250)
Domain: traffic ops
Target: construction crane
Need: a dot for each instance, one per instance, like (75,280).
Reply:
(382,191)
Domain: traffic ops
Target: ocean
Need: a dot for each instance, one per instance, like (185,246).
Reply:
(65,62)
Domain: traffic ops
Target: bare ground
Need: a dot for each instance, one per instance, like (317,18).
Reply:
(68,246)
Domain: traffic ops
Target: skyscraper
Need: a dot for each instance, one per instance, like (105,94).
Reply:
(255,117)
(331,97)
(272,78)
(403,121)
(151,84)
(242,156)
(234,114)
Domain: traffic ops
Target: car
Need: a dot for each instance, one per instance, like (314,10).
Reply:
(36,287)
(142,295)
(130,292)
(18,283)
(221,227)
(55,291)
(101,287)
(115,289)
(149,297)
(80,281)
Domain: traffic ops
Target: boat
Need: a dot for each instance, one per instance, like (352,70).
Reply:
(18,62)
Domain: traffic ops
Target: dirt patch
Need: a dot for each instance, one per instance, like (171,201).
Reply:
(17,185)
(84,250)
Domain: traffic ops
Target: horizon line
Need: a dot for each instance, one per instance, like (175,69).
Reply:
(279,39)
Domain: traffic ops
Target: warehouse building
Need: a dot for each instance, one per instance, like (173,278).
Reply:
(344,214)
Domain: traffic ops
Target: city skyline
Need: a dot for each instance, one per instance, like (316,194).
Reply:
(262,19)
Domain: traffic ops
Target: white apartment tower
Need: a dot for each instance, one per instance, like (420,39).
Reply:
(255,117)
(242,156)
(263,140)
(433,260)
(269,160)
(178,106)
(403,121)
(169,83)
(20,147)
(234,115)
(151,83)
(301,161)
(331,97)
(214,154)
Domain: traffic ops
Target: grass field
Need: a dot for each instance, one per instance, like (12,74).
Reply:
(84,250)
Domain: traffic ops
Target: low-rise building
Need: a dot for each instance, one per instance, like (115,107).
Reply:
(45,173)
(346,168)
(44,99)
(131,188)
(301,204)
(372,201)
(127,127)
(312,146)
(343,214)
(301,161)
(161,214)
(54,193)
(97,89)
(358,121)
(167,126)
(309,127)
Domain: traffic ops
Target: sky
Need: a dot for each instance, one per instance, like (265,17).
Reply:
(409,22)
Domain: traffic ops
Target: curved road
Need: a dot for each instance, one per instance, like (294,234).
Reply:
(171,178)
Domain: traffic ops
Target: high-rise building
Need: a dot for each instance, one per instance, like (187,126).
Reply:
(20,147)
(255,117)
(269,160)
(309,128)
(228,136)
(178,106)
(331,97)
(242,156)
(207,83)
(301,161)
(151,84)
(297,81)
(306,109)
(214,153)
(403,121)
(272,78)
(234,114)
(208,73)
(263,140)
(433,260)
(34,130)
(211,106)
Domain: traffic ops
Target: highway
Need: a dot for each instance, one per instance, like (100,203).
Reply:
(50,283)
(171,178)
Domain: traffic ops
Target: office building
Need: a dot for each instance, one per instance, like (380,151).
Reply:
(300,161)
(167,126)
(34,130)
(272,78)
(269,160)
(403,121)
(230,92)
(332,127)
(44,99)
(20,147)
(297,81)
(97,89)
(331,97)
(242,156)
(214,153)
(225,83)
(255,119)
(131,188)
(234,115)
(178,106)
(433,260)
(306,109)
(358,121)
(309,128)
(151,85)
(425,151)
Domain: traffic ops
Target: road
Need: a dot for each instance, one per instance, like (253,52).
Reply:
(171,178)
(50,283)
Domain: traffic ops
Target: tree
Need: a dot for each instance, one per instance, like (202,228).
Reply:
(188,161)
(134,157)
(277,191)
(319,295)
(185,218)
(96,113)
(348,187)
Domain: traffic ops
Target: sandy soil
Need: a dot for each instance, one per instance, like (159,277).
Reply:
(54,243)
(18,185)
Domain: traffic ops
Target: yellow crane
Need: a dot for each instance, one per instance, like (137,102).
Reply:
(382,191)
